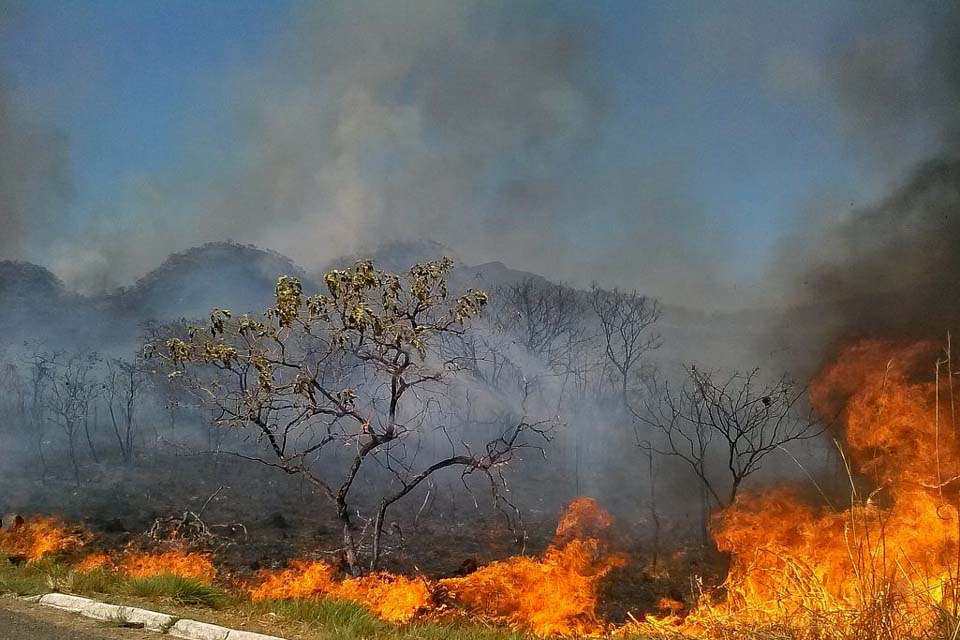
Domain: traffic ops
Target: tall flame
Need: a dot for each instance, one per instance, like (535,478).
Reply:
(891,559)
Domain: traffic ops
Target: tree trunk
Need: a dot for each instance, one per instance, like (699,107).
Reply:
(350,547)
(86,431)
(377,535)
(73,457)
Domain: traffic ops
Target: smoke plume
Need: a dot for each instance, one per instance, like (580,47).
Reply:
(33,176)
(891,267)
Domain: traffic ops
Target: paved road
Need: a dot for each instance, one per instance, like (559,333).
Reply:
(24,621)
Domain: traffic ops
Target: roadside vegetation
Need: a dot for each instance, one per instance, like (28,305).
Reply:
(303,619)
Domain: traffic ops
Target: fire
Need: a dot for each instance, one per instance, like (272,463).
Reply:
(185,564)
(890,559)
(40,536)
(94,561)
(392,597)
(583,519)
(552,595)
(555,594)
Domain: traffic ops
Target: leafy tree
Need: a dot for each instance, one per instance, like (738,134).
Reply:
(351,379)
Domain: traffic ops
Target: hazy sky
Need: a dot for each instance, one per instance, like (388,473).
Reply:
(670,146)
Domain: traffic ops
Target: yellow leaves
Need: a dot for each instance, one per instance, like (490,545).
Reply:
(219,352)
(353,283)
(179,350)
(317,306)
(391,292)
(358,317)
(469,305)
(429,279)
(365,309)
(302,384)
(289,294)
(264,372)
(365,276)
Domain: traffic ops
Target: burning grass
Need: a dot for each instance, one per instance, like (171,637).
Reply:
(886,565)
(555,594)
(393,598)
(194,566)
(39,537)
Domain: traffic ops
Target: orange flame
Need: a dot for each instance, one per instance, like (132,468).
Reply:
(196,566)
(40,536)
(553,595)
(888,561)
(94,561)
(394,598)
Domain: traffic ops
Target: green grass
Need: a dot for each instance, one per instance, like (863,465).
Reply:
(339,618)
(180,590)
(328,619)
(343,620)
(97,581)
(30,578)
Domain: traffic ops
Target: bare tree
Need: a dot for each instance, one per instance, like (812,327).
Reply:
(336,383)
(123,386)
(40,364)
(625,320)
(14,393)
(73,387)
(735,418)
(547,319)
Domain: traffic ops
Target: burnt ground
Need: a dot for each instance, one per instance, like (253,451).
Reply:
(284,518)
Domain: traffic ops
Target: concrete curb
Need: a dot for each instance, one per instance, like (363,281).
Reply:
(151,620)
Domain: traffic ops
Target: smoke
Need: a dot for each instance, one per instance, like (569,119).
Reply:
(33,177)
(892,266)
(369,122)
(480,125)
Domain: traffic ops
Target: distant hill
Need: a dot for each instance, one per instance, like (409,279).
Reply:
(218,274)
(189,284)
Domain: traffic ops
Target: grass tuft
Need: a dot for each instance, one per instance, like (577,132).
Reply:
(96,581)
(340,618)
(30,578)
(177,588)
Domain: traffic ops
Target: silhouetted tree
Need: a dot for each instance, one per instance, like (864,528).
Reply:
(626,320)
(734,418)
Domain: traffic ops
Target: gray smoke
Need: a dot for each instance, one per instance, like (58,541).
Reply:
(476,124)
(892,267)
(33,174)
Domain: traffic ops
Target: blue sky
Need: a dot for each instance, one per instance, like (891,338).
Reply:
(699,134)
